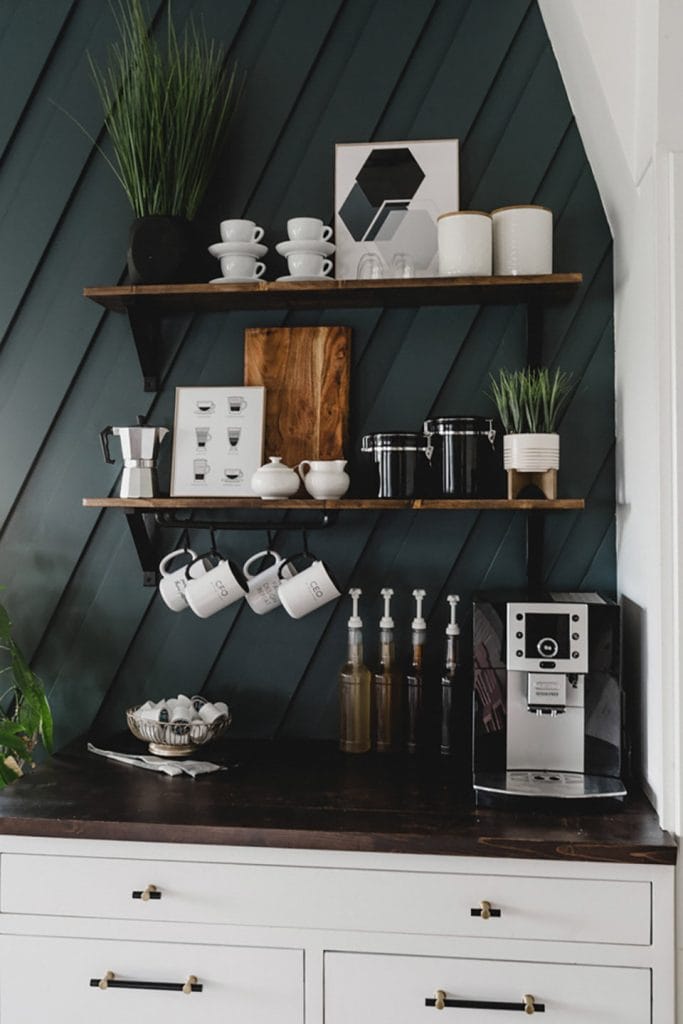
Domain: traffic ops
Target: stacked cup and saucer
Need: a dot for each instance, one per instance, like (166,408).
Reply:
(239,252)
(307,250)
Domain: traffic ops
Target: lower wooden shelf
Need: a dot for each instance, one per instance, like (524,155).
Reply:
(376,504)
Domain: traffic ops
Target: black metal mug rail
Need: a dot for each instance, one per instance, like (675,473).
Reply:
(170,520)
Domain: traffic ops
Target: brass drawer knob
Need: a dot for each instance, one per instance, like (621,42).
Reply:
(528,1004)
(147,893)
(104,983)
(192,980)
(485,910)
(439,999)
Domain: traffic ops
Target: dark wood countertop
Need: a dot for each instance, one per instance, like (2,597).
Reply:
(311,797)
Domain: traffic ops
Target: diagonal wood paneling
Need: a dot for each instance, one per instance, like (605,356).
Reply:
(320,71)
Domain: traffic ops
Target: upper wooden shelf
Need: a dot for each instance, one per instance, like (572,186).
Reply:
(420,291)
(378,504)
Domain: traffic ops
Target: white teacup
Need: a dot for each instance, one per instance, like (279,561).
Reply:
(241,265)
(173,581)
(308,264)
(240,231)
(263,596)
(217,589)
(307,590)
(308,229)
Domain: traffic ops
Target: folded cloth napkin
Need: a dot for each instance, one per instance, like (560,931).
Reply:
(160,764)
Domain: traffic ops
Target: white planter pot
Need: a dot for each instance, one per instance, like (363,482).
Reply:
(531,453)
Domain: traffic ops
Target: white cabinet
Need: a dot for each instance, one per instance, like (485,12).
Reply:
(372,989)
(329,937)
(56,979)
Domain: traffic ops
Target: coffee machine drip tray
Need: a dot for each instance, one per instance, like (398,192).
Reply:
(549,784)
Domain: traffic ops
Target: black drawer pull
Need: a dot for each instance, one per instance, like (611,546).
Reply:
(485,910)
(150,893)
(525,1005)
(109,981)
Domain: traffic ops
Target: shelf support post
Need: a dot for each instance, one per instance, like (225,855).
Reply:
(144,547)
(534,334)
(145,327)
(535,522)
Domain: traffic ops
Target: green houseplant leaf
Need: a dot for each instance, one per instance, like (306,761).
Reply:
(167,111)
(529,401)
(25,716)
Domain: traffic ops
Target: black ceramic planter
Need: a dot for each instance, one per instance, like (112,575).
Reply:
(164,250)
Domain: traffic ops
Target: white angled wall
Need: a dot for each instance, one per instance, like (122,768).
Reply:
(621,64)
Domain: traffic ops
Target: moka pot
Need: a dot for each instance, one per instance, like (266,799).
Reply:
(140,449)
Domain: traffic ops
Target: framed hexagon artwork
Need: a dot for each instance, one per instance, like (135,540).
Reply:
(388,196)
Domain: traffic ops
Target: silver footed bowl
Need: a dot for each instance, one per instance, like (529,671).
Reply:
(175,739)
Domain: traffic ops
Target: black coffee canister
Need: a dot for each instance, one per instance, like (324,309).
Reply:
(403,463)
(465,463)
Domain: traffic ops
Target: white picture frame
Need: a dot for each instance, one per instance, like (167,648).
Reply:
(387,198)
(217,441)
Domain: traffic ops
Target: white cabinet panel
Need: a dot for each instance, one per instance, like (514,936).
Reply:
(379,989)
(48,979)
(560,909)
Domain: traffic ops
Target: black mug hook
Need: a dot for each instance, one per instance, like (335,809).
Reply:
(214,546)
(185,539)
(270,539)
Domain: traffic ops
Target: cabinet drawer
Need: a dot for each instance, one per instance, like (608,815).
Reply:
(366,988)
(580,910)
(50,979)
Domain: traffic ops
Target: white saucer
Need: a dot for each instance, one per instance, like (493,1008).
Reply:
(238,248)
(303,277)
(319,247)
(235,280)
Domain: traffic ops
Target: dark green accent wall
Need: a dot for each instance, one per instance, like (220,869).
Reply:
(319,72)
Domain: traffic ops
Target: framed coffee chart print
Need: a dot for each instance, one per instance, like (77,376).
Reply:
(217,441)
(388,196)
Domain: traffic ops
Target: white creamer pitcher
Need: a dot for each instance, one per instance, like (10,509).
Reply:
(324,478)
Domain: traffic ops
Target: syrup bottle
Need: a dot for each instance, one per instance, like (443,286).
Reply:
(354,689)
(415,698)
(386,685)
(451,704)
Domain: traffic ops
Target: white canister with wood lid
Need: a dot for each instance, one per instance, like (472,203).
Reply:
(522,240)
(465,244)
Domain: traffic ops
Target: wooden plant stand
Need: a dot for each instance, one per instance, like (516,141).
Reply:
(546,482)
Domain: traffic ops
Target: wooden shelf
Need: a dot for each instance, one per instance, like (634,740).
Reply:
(376,504)
(330,293)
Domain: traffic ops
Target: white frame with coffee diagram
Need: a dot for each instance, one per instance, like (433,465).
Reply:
(217,441)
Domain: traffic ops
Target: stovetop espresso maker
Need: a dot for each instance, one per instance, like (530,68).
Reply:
(140,450)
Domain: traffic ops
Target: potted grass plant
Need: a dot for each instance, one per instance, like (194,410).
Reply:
(167,110)
(25,716)
(529,402)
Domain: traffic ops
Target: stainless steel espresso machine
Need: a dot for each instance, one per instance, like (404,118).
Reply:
(548,702)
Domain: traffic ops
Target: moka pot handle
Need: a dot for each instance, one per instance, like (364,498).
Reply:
(104,441)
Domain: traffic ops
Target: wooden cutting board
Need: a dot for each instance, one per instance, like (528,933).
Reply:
(305,371)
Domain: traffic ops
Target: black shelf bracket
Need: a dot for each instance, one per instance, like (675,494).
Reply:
(534,334)
(145,327)
(141,530)
(535,523)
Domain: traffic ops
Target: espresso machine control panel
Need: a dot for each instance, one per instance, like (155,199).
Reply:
(547,638)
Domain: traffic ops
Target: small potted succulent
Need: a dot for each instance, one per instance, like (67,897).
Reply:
(529,402)
(25,716)
(167,110)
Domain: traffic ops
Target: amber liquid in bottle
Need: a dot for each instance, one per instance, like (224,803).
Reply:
(387,696)
(355,681)
(451,726)
(415,708)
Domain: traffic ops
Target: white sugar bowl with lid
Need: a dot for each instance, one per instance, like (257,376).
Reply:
(274,480)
